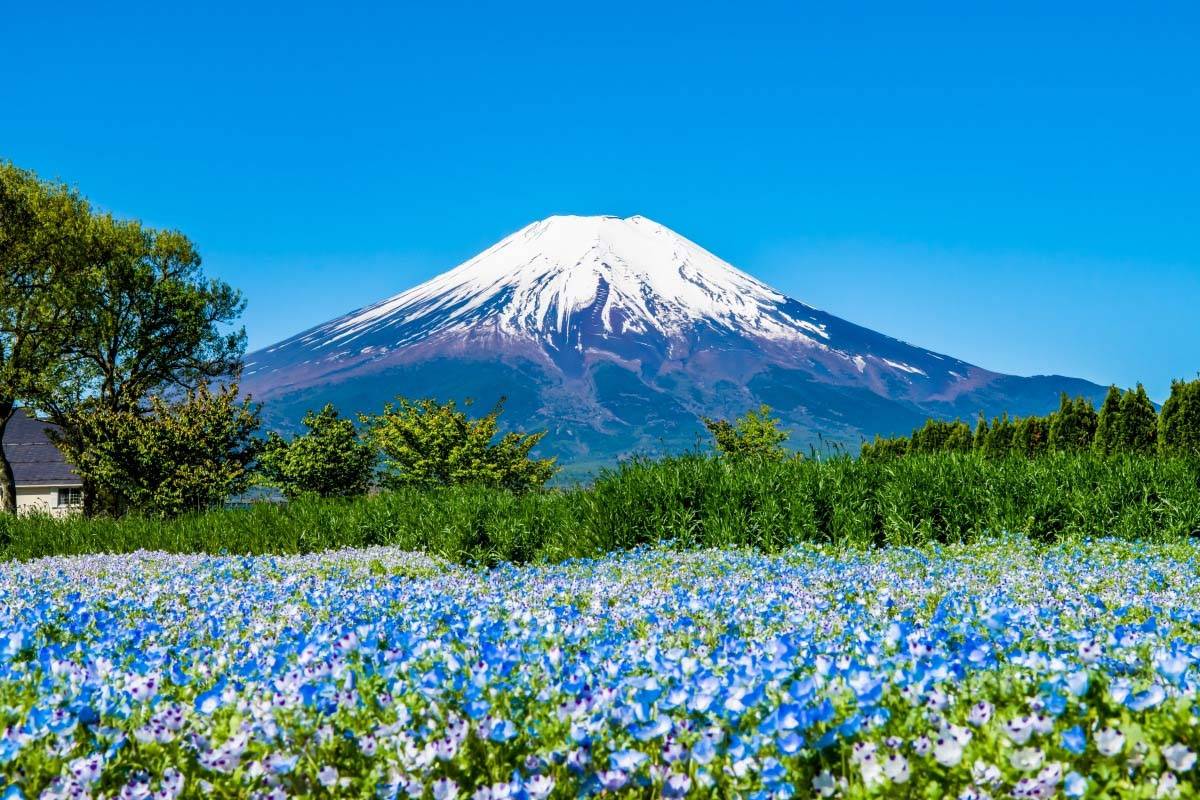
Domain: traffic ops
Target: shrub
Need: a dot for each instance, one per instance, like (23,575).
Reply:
(330,460)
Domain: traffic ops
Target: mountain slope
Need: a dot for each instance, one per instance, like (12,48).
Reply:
(618,335)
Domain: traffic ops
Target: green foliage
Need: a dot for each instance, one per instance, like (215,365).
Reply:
(1139,423)
(184,456)
(1179,422)
(98,314)
(43,233)
(330,460)
(982,431)
(1073,426)
(689,501)
(998,442)
(941,436)
(1031,437)
(1108,425)
(426,443)
(884,449)
(754,435)
(147,320)
(960,440)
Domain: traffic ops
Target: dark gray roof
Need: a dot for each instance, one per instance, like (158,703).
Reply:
(34,458)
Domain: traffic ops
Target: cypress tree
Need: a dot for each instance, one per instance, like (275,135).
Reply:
(959,439)
(884,449)
(1139,422)
(1030,436)
(1073,426)
(934,436)
(1109,424)
(979,440)
(1179,422)
(1000,438)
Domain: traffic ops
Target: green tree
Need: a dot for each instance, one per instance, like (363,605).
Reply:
(187,455)
(930,437)
(145,321)
(999,443)
(1139,422)
(1179,422)
(1031,436)
(330,460)
(1107,441)
(960,439)
(42,234)
(884,449)
(1073,426)
(427,443)
(982,431)
(755,434)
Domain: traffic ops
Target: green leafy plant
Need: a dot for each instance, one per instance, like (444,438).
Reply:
(754,435)
(426,443)
(187,455)
(330,460)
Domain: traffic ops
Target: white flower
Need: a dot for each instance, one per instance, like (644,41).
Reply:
(1019,729)
(895,767)
(1179,757)
(1027,759)
(1110,741)
(86,770)
(1042,723)
(947,751)
(824,784)
(872,772)
(960,734)
(980,713)
(445,789)
(1089,652)
(1168,785)
(539,786)
(972,793)
(1052,775)
(861,751)
(985,774)
(922,746)
(327,776)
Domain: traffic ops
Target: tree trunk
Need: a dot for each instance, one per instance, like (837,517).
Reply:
(91,503)
(8,481)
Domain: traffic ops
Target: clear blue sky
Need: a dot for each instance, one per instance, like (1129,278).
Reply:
(1014,186)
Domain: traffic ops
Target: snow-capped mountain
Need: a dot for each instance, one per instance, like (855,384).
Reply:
(618,335)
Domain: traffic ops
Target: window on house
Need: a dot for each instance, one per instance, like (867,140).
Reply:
(69,498)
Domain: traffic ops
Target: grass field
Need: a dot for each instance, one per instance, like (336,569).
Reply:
(1001,668)
(686,502)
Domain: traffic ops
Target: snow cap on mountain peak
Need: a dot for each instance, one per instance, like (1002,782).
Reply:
(627,274)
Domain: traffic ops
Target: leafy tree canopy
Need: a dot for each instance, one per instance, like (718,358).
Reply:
(755,434)
(181,456)
(427,443)
(330,460)
(43,234)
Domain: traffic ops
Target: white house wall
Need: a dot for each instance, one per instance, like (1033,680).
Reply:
(39,499)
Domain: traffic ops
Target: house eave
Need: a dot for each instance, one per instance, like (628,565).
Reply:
(61,485)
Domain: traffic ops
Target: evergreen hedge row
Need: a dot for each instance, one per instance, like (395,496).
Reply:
(688,501)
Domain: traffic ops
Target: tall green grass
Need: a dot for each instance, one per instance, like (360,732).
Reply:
(687,501)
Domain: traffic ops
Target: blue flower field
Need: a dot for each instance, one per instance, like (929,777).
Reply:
(995,670)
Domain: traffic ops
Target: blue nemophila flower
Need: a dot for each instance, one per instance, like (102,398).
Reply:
(680,674)
(613,780)
(1074,740)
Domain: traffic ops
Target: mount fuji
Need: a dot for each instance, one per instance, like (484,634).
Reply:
(618,335)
